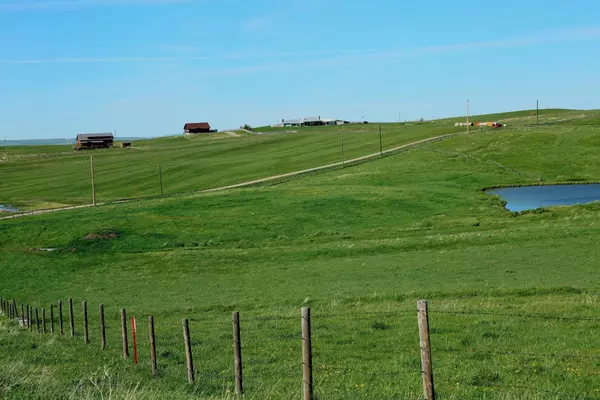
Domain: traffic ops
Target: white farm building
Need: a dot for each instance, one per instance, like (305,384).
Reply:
(309,121)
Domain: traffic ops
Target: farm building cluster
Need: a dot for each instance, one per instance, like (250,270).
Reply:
(494,125)
(309,121)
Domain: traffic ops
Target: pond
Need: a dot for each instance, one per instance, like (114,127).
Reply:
(532,197)
(7,208)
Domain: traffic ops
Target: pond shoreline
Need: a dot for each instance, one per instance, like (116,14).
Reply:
(518,185)
(534,197)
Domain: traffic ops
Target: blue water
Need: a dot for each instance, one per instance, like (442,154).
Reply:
(532,197)
(4,208)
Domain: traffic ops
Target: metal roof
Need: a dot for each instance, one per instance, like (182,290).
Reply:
(96,136)
(197,125)
(311,119)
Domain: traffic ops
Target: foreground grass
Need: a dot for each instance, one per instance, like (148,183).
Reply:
(358,246)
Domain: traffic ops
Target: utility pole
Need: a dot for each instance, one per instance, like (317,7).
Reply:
(93,180)
(467,117)
(537,112)
(161,180)
(380,143)
(342,152)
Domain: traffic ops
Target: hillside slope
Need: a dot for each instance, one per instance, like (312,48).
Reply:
(357,245)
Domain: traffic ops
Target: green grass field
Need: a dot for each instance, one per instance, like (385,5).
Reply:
(35,177)
(514,298)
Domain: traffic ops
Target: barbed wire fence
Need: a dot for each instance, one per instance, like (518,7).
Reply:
(358,354)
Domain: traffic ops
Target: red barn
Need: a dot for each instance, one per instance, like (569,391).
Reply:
(196,127)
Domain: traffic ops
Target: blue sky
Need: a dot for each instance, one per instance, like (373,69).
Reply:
(144,67)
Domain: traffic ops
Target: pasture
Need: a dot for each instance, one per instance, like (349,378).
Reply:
(514,298)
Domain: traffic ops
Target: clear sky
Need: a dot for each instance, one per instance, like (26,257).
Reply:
(145,67)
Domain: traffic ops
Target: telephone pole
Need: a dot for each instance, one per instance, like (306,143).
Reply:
(467,117)
(380,143)
(161,179)
(93,181)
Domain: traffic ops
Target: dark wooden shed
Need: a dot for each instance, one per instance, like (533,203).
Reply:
(94,141)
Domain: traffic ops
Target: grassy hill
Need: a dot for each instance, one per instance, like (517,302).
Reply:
(38,177)
(514,298)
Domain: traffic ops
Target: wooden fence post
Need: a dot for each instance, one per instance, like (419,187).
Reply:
(152,344)
(28,315)
(237,354)
(52,319)
(43,320)
(60,318)
(31,319)
(134,336)
(22,314)
(37,320)
(15,311)
(124,333)
(307,380)
(1,305)
(188,351)
(86,333)
(71,318)
(102,328)
(425,344)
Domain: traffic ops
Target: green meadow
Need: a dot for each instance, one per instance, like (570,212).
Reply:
(514,298)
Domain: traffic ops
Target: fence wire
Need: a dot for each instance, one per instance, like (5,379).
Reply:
(512,315)
(362,353)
